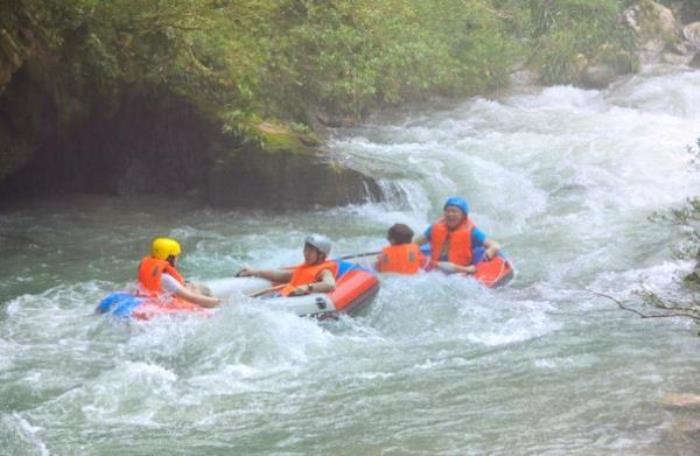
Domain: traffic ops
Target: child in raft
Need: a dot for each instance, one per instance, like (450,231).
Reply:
(402,256)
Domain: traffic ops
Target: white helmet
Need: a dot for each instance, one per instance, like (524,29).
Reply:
(320,242)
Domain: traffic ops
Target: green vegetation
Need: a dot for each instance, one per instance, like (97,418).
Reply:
(240,62)
(569,34)
(689,218)
(686,303)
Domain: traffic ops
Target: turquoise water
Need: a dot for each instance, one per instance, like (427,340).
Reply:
(564,178)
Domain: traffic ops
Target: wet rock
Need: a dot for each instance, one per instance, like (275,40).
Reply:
(285,170)
(673,58)
(655,27)
(334,121)
(695,61)
(686,10)
(598,76)
(606,66)
(523,77)
(26,116)
(691,32)
(250,177)
(159,144)
(693,279)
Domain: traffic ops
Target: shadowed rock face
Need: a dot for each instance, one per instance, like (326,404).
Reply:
(695,62)
(156,144)
(691,32)
(26,119)
(283,180)
(152,145)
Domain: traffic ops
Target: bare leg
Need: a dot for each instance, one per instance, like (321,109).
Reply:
(682,400)
(199,288)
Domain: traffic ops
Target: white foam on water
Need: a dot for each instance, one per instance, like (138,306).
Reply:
(19,436)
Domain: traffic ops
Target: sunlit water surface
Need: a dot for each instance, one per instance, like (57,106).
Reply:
(564,178)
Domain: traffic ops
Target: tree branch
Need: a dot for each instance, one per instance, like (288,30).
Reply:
(642,315)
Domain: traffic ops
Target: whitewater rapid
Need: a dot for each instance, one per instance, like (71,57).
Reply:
(564,178)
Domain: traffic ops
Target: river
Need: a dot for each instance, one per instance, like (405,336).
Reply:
(564,178)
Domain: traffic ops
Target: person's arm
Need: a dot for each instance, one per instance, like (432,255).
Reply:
(420,239)
(273,275)
(492,248)
(425,237)
(325,284)
(451,268)
(196,298)
(170,284)
(424,261)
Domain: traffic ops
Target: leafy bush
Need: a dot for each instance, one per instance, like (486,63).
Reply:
(240,61)
(568,33)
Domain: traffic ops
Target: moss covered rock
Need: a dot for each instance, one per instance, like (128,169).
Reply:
(283,167)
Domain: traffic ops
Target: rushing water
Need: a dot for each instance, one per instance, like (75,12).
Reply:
(564,178)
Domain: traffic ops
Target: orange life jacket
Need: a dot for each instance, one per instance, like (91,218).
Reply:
(460,242)
(151,272)
(305,274)
(402,259)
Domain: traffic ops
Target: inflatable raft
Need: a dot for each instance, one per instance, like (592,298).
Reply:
(355,288)
(130,305)
(493,273)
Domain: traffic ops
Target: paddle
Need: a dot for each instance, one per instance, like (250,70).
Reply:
(358,255)
(345,257)
(280,286)
(267,290)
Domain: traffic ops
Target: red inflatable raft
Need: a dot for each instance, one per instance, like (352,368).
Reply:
(355,288)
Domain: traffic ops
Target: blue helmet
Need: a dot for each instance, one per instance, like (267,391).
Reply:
(458,202)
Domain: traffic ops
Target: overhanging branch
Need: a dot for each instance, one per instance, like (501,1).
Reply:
(641,314)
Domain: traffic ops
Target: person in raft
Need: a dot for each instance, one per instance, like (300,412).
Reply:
(157,275)
(315,275)
(401,257)
(454,237)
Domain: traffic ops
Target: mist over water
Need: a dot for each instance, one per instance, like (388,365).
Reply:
(564,178)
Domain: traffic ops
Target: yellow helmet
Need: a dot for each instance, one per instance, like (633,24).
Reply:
(162,248)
